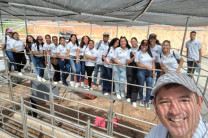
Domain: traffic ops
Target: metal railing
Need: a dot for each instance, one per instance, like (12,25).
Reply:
(82,125)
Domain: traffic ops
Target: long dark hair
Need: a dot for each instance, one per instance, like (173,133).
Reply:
(112,42)
(37,43)
(127,43)
(76,39)
(145,42)
(28,44)
(82,41)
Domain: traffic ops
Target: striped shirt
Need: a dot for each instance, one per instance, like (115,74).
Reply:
(193,49)
(161,132)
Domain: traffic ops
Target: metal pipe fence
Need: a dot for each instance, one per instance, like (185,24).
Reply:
(84,126)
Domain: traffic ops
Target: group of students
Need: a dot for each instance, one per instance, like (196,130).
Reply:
(117,61)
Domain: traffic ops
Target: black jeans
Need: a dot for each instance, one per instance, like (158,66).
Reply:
(56,76)
(157,66)
(132,91)
(20,59)
(190,65)
(89,70)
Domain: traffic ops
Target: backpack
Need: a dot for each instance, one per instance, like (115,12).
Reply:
(99,44)
(178,61)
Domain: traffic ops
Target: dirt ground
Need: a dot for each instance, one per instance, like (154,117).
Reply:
(122,108)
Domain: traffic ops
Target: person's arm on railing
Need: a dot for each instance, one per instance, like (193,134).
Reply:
(77,56)
(163,68)
(153,69)
(180,65)
(143,66)
(117,62)
(131,59)
(90,57)
(200,55)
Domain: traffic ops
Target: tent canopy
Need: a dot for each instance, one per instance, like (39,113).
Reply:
(110,12)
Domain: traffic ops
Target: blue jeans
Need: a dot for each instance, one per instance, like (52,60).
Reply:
(144,75)
(11,59)
(97,66)
(41,65)
(120,76)
(80,68)
(107,84)
(73,67)
(34,64)
(64,66)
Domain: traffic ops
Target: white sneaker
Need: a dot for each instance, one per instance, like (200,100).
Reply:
(128,100)
(87,88)
(134,104)
(55,82)
(72,83)
(106,94)
(141,103)
(22,70)
(39,78)
(100,87)
(43,79)
(93,87)
(60,82)
(118,96)
(76,85)
(122,95)
(82,84)
(20,74)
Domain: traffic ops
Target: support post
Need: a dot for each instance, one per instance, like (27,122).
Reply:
(2,31)
(117,31)
(58,29)
(90,30)
(25,21)
(184,36)
(148,31)
(24,118)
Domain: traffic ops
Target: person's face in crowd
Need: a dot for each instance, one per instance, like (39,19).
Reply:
(152,41)
(166,47)
(144,48)
(134,43)
(73,39)
(16,36)
(48,40)
(91,45)
(123,43)
(192,36)
(86,40)
(30,39)
(62,42)
(105,38)
(9,34)
(178,110)
(40,40)
(116,44)
(55,40)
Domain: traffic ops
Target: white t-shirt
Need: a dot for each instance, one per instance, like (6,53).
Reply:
(62,50)
(47,46)
(17,44)
(144,58)
(72,48)
(109,56)
(103,47)
(193,49)
(9,42)
(156,51)
(82,50)
(35,49)
(161,132)
(170,61)
(93,53)
(121,55)
(134,50)
(53,49)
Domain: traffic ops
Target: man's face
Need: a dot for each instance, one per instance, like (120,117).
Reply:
(192,36)
(105,38)
(178,110)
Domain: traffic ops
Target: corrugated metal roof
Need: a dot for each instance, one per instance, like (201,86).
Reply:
(110,12)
